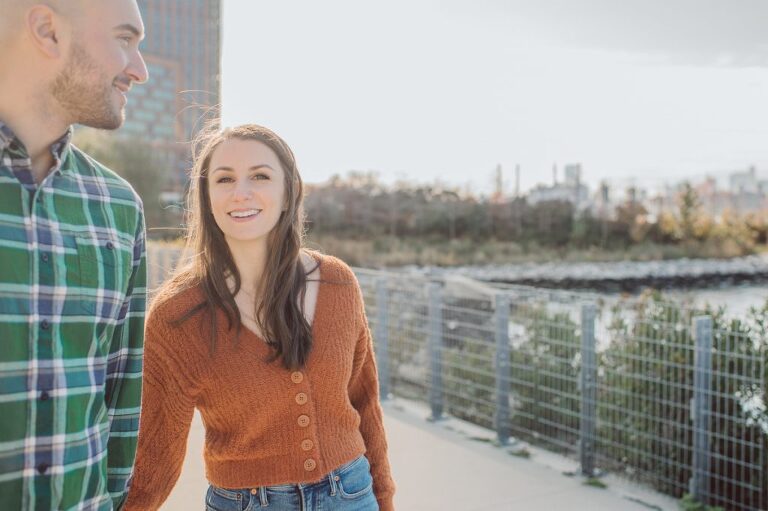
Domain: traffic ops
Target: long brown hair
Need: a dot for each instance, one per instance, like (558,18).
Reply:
(280,293)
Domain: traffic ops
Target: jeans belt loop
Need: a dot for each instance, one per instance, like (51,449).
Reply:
(332,477)
(263,496)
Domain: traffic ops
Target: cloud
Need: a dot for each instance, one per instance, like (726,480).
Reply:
(697,32)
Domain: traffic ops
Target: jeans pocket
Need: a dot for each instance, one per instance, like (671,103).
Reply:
(221,499)
(356,480)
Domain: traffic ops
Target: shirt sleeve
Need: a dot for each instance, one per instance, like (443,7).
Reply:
(123,386)
(364,396)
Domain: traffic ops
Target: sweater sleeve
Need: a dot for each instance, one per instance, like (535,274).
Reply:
(167,404)
(364,396)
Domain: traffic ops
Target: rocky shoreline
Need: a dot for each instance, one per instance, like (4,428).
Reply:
(623,276)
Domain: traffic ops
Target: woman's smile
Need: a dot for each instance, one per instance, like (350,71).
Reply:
(244,215)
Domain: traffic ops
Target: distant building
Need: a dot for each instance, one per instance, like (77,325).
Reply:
(743,182)
(713,200)
(572,190)
(182,51)
(573,175)
(748,193)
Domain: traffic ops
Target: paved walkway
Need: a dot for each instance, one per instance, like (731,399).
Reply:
(439,466)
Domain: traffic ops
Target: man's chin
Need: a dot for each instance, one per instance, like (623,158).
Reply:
(105,123)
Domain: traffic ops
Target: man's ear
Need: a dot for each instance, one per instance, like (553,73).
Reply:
(41,23)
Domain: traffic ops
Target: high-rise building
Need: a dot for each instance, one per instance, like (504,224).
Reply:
(182,50)
(573,175)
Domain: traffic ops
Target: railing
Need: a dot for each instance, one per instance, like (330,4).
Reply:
(653,390)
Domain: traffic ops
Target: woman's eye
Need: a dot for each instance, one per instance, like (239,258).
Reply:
(224,180)
(259,177)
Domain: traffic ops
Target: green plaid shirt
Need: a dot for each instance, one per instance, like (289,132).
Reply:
(72,302)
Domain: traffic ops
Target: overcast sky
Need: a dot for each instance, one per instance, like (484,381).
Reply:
(644,90)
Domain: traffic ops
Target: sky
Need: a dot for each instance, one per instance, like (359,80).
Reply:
(640,92)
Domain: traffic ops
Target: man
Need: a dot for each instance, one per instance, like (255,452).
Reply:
(72,268)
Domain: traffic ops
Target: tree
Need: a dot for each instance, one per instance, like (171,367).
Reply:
(139,164)
(689,210)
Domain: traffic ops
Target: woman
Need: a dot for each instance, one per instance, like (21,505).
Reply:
(269,342)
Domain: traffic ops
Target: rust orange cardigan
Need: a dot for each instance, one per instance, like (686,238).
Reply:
(264,425)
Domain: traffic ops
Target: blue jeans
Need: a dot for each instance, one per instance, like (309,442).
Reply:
(348,488)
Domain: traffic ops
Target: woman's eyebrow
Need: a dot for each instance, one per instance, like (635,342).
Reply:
(230,169)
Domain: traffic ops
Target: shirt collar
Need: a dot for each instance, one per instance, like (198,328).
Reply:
(58,148)
(6,136)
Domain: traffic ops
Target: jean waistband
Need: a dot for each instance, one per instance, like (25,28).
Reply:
(323,480)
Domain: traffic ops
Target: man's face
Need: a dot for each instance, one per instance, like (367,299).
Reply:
(102,63)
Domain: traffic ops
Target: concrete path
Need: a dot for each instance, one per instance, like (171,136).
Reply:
(439,466)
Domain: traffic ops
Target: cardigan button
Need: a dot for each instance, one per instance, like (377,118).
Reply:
(307,445)
(301,398)
(303,421)
(310,465)
(297,377)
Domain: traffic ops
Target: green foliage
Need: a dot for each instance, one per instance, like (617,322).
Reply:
(688,503)
(544,400)
(140,164)
(546,370)
(646,388)
(359,207)
(520,453)
(469,381)
(645,382)
(689,206)
(595,483)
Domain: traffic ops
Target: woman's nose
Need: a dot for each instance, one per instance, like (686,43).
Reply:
(242,191)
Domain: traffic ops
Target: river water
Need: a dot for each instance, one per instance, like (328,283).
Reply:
(737,300)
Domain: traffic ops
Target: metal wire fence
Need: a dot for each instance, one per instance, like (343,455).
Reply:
(657,391)
(654,390)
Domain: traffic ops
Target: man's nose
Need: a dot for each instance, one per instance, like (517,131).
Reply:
(137,69)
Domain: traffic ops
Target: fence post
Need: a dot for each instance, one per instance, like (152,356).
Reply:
(435,350)
(154,275)
(700,407)
(588,384)
(381,336)
(502,368)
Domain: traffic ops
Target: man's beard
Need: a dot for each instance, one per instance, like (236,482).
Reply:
(85,93)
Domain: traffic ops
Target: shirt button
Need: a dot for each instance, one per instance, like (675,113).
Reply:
(110,245)
(301,398)
(45,325)
(310,465)
(45,258)
(303,421)
(42,468)
(44,395)
(307,445)
(297,377)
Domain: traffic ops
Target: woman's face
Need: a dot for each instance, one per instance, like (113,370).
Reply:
(246,185)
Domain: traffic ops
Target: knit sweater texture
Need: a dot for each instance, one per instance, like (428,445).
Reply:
(264,425)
